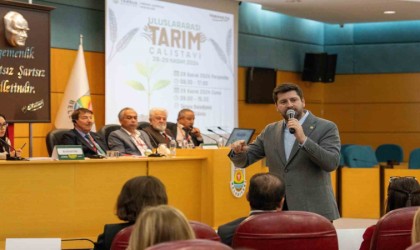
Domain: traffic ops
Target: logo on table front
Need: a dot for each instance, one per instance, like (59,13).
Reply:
(237,181)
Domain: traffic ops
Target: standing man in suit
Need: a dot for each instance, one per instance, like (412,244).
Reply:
(157,129)
(304,159)
(265,194)
(185,129)
(128,140)
(93,145)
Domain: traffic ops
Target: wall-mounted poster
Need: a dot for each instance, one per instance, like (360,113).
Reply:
(25,62)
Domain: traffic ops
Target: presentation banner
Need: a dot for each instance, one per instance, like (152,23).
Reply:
(160,54)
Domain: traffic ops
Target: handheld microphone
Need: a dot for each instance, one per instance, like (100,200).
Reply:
(155,154)
(291,114)
(8,157)
(212,131)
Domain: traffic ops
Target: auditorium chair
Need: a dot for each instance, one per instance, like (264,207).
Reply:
(142,125)
(121,239)
(204,231)
(54,138)
(107,129)
(291,230)
(414,247)
(393,230)
(359,156)
(196,244)
(414,159)
(392,153)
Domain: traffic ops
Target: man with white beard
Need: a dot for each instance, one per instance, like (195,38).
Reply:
(157,129)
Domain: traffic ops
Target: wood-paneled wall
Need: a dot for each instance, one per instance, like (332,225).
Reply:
(368,109)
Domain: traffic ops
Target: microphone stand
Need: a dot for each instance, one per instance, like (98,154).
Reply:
(212,131)
(155,154)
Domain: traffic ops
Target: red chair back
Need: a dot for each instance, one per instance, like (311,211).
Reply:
(393,230)
(121,239)
(291,230)
(196,244)
(204,231)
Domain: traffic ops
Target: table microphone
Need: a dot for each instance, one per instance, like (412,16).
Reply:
(155,154)
(8,157)
(220,128)
(212,131)
(211,138)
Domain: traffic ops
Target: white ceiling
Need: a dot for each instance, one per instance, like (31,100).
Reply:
(345,11)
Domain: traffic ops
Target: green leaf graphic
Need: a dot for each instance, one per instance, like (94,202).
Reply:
(136,85)
(160,84)
(143,70)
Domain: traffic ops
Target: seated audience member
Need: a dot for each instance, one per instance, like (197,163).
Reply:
(157,225)
(93,145)
(5,150)
(136,194)
(185,128)
(157,129)
(265,194)
(415,232)
(128,140)
(402,192)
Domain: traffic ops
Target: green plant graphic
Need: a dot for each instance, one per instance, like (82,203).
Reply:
(148,86)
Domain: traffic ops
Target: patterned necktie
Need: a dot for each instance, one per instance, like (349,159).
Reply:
(166,137)
(187,134)
(96,148)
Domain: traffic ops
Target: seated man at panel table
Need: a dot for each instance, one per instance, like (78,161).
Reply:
(128,140)
(265,194)
(157,131)
(185,129)
(93,145)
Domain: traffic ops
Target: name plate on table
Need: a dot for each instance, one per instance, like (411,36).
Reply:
(210,146)
(68,152)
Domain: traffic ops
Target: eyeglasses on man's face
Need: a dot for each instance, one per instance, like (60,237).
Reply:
(3,125)
(392,178)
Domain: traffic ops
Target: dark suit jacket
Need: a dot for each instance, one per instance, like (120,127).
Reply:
(307,171)
(226,231)
(156,136)
(74,138)
(196,142)
(110,230)
(119,140)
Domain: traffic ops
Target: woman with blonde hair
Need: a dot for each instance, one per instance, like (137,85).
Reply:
(415,232)
(159,224)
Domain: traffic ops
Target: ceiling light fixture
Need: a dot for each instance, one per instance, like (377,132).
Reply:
(389,12)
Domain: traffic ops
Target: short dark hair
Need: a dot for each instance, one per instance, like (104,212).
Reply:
(138,193)
(265,191)
(403,192)
(76,113)
(182,112)
(286,87)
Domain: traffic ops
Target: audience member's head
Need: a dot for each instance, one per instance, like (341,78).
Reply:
(82,119)
(157,118)
(3,127)
(128,119)
(402,192)
(186,117)
(16,28)
(138,193)
(266,192)
(415,232)
(159,224)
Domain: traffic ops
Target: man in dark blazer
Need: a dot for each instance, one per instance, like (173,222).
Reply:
(93,145)
(185,129)
(265,194)
(303,149)
(157,131)
(128,140)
